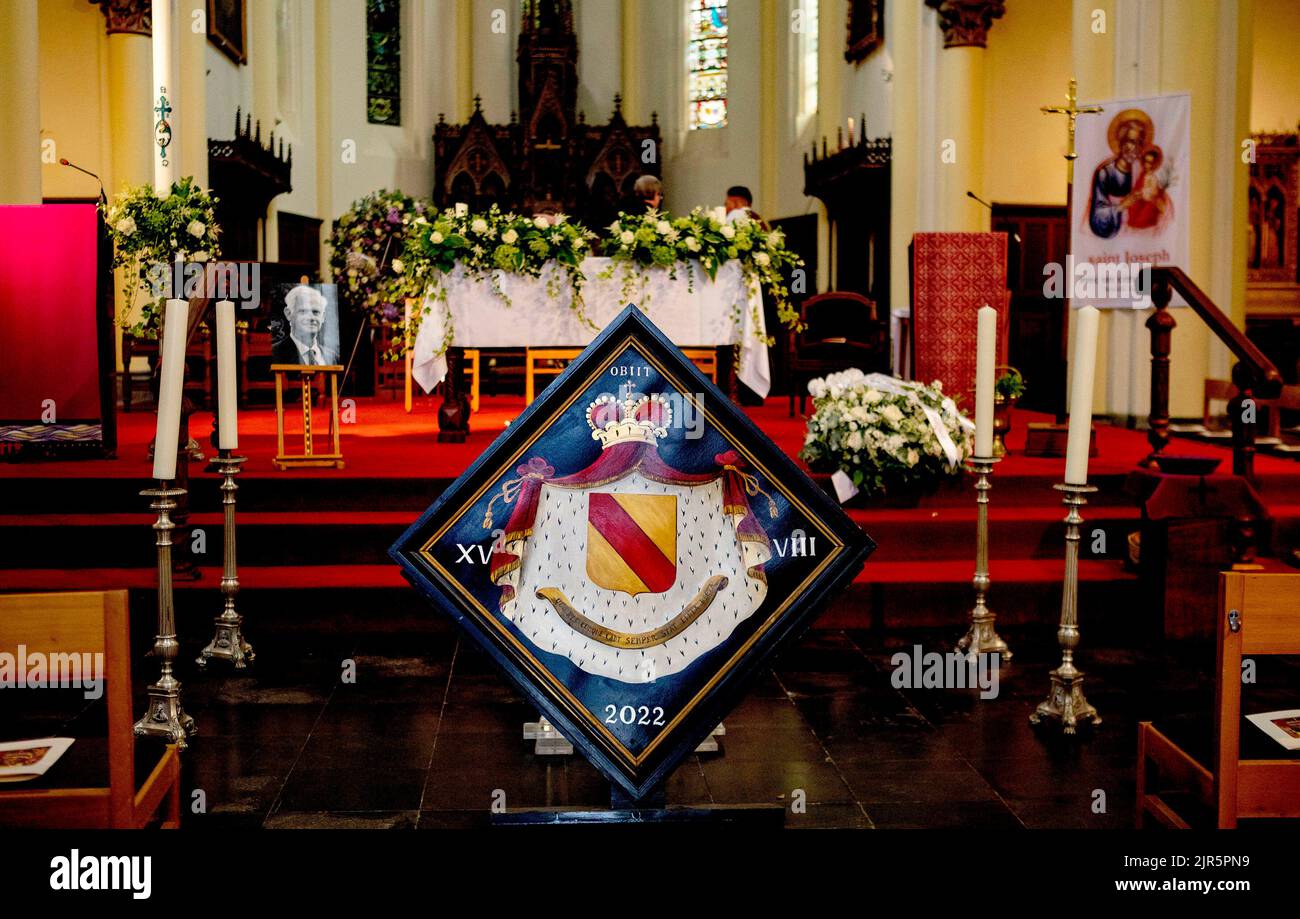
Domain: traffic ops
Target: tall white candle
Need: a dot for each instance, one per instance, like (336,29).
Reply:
(227,388)
(986,347)
(170,381)
(162,101)
(1083,366)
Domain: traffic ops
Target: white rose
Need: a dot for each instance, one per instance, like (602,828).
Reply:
(719,214)
(398,266)
(541,222)
(627,237)
(479,225)
(509,237)
(762,258)
(435,237)
(693,244)
(892,413)
(125,226)
(200,256)
(873,396)
(663,228)
(728,231)
(913,457)
(196,229)
(462,209)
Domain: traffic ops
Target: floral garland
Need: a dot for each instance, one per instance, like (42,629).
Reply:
(884,433)
(364,242)
(148,231)
(704,237)
(489,244)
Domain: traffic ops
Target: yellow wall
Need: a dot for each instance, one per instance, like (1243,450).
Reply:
(73,100)
(1026,66)
(1275,87)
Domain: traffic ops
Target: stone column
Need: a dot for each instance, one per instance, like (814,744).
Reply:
(130,71)
(20,104)
(965,25)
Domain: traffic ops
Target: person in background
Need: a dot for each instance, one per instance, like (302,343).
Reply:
(739,203)
(648,194)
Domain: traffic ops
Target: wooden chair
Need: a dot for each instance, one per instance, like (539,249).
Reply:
(96,623)
(841,331)
(1258,616)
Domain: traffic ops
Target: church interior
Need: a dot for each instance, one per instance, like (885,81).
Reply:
(1003,296)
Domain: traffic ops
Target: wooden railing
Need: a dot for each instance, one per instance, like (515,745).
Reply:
(1254,375)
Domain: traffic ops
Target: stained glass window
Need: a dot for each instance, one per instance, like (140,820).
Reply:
(706,63)
(383,61)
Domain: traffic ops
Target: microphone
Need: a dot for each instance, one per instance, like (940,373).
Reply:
(971,194)
(102,196)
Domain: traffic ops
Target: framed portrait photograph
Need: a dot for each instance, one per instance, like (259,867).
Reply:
(866,29)
(304,324)
(226,28)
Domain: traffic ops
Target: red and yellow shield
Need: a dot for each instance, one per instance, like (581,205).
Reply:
(632,542)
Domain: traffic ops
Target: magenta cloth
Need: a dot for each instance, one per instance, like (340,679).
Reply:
(953,275)
(47,313)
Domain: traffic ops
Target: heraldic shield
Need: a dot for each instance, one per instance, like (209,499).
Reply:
(630,551)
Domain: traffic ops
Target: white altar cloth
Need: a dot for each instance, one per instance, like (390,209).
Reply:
(703,317)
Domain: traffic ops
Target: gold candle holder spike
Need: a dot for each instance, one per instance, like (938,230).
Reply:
(228,643)
(1066,704)
(981,637)
(165,716)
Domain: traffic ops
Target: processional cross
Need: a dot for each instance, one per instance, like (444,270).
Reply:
(1071,111)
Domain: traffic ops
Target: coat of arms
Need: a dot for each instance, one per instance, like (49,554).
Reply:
(630,551)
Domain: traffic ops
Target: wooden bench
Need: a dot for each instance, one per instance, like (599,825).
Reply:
(88,623)
(1229,776)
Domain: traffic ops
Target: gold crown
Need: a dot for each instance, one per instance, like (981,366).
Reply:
(642,420)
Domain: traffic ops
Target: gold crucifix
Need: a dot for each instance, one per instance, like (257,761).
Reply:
(1071,111)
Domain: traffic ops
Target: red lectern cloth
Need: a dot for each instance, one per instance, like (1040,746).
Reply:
(48,332)
(953,275)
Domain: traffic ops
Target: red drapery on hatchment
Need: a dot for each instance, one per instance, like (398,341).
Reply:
(614,463)
(48,327)
(953,275)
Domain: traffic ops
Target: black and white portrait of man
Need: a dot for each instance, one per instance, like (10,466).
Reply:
(309,331)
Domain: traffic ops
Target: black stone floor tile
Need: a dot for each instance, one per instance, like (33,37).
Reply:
(515,786)
(1077,812)
(380,721)
(363,752)
(263,722)
(768,782)
(932,782)
(351,789)
(345,820)
(756,743)
(827,817)
(966,815)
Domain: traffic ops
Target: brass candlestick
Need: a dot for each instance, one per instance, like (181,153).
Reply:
(981,637)
(1065,701)
(228,642)
(165,716)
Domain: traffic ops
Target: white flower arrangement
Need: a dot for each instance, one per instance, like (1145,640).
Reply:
(884,433)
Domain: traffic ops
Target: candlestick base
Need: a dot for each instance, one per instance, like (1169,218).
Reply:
(982,637)
(1066,703)
(165,716)
(228,644)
